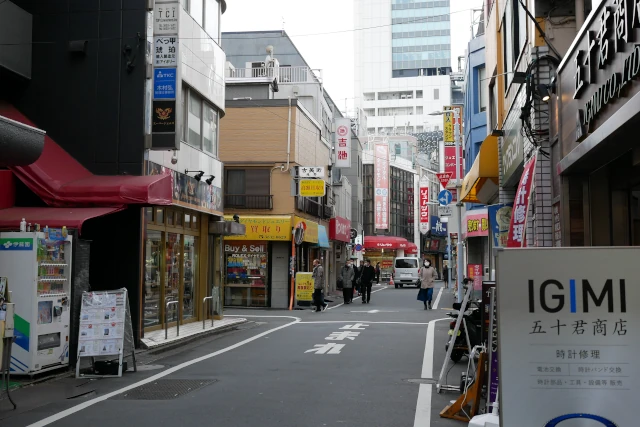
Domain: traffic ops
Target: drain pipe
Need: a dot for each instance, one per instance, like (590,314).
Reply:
(288,138)
(579,7)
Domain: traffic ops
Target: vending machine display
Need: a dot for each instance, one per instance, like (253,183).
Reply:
(38,266)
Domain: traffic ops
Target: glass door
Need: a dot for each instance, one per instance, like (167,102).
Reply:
(190,276)
(152,282)
(172,274)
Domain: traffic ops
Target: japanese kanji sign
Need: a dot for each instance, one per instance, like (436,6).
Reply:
(518,225)
(569,334)
(343,143)
(311,171)
(424,209)
(449,124)
(164,83)
(444,177)
(304,286)
(450,162)
(312,188)
(165,51)
(381,186)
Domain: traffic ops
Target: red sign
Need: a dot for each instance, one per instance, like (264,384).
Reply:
(435,245)
(444,177)
(477,225)
(381,186)
(454,195)
(450,162)
(424,209)
(518,226)
(245,246)
(474,271)
(340,229)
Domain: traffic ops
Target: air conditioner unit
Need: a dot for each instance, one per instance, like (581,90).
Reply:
(409,96)
(403,96)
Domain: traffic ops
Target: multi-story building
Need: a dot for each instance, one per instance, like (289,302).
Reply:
(285,120)
(402,63)
(123,90)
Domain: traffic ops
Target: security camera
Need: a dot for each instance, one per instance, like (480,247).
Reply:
(174,157)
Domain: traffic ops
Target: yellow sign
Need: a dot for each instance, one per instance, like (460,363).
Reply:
(304,287)
(312,188)
(448,120)
(311,234)
(264,227)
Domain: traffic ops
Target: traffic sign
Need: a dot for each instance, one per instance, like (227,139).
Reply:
(445,197)
(358,248)
(354,233)
(444,178)
(444,211)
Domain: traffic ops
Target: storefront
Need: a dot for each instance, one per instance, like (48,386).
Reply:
(476,237)
(383,250)
(436,243)
(339,234)
(595,121)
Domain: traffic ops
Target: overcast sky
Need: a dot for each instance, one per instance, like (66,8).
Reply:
(307,22)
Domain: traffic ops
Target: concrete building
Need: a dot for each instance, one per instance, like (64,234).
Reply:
(402,64)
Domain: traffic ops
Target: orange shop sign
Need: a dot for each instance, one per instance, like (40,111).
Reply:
(275,227)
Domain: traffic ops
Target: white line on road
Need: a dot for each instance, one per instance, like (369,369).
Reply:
(338,305)
(362,321)
(435,304)
(80,407)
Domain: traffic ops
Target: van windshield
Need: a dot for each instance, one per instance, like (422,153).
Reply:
(406,263)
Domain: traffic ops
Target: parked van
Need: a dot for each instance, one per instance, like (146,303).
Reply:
(405,271)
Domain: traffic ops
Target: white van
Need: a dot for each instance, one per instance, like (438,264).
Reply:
(405,271)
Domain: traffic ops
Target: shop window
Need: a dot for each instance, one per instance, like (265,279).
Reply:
(159,216)
(152,274)
(179,220)
(170,217)
(248,189)
(148,214)
(172,274)
(187,221)
(190,276)
(246,275)
(194,222)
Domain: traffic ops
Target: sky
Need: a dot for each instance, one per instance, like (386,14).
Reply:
(307,22)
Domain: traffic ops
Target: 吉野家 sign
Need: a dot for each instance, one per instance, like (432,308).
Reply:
(569,335)
(343,143)
(312,188)
(164,83)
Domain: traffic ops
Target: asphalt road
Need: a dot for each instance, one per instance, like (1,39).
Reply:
(352,365)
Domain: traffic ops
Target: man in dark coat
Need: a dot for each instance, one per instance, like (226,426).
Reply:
(366,281)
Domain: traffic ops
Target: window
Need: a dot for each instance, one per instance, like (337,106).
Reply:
(493,107)
(419,110)
(201,122)
(196,10)
(436,94)
(398,149)
(248,189)
(514,36)
(211,18)
(418,94)
(483,89)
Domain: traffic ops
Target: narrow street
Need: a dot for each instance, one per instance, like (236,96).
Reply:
(352,365)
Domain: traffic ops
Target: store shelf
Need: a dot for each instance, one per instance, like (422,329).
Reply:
(52,279)
(53,264)
(52,295)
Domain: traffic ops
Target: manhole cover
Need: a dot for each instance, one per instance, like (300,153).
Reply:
(163,390)
(421,381)
(146,368)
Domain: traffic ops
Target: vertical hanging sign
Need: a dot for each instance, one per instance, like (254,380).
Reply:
(343,143)
(518,225)
(381,186)
(425,221)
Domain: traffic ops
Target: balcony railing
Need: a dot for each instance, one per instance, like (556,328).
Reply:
(285,74)
(327,212)
(314,208)
(244,201)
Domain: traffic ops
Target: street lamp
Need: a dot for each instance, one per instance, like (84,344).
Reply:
(456,136)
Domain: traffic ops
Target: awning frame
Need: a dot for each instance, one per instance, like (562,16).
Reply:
(484,171)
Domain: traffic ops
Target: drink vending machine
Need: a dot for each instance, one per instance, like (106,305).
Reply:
(38,267)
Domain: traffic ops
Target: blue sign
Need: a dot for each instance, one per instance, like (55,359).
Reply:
(358,247)
(499,219)
(438,228)
(445,197)
(164,83)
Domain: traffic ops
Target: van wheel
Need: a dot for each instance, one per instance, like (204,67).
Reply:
(401,285)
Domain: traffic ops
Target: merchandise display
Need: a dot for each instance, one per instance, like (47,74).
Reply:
(247,284)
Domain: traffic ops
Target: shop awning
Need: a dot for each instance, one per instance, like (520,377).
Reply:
(481,183)
(385,242)
(412,249)
(323,237)
(60,180)
(71,218)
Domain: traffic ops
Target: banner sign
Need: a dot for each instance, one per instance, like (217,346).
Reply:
(474,271)
(340,229)
(312,188)
(518,224)
(343,143)
(499,219)
(381,186)
(304,287)
(477,225)
(569,336)
(449,124)
(450,162)
(424,210)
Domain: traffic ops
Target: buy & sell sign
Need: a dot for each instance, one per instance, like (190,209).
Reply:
(264,228)
(312,188)
(304,287)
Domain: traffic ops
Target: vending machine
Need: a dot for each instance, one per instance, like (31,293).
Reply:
(38,267)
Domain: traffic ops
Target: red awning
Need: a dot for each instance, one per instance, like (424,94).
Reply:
(385,242)
(60,180)
(412,249)
(72,218)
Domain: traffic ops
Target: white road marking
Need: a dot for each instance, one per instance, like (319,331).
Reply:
(435,304)
(341,336)
(356,326)
(364,321)
(374,311)
(329,348)
(373,292)
(80,407)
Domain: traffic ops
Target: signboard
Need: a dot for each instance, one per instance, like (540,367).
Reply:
(340,229)
(424,210)
(304,286)
(557,225)
(499,219)
(164,117)
(512,147)
(381,186)
(477,225)
(569,335)
(343,143)
(312,188)
(449,124)
(164,83)
(166,18)
(450,162)
(438,228)
(518,225)
(16,244)
(261,228)
(445,211)
(474,271)
(165,51)
(245,247)
(444,177)
(311,171)
(445,197)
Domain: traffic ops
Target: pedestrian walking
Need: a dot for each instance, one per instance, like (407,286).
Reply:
(318,285)
(445,277)
(378,273)
(346,276)
(357,271)
(366,281)
(427,275)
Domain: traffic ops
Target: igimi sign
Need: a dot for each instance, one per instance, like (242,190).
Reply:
(568,339)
